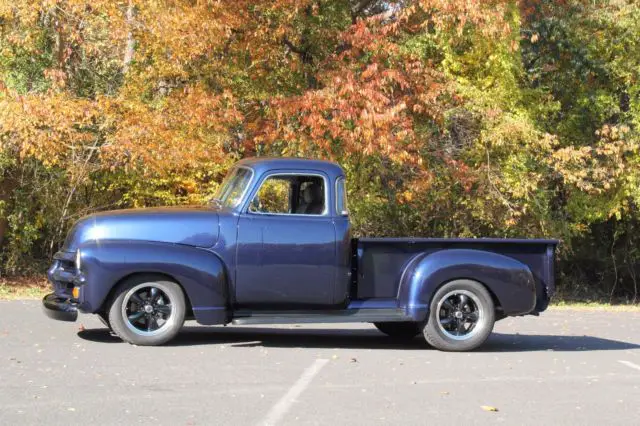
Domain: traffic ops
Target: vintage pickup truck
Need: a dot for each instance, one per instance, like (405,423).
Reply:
(275,246)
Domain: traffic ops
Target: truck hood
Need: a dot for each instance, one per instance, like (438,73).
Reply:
(192,226)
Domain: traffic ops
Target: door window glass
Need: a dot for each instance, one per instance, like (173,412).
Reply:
(273,197)
(290,194)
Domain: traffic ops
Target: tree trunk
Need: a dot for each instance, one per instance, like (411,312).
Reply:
(3,229)
(131,42)
(60,42)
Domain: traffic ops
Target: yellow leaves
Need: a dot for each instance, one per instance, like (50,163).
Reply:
(488,408)
(613,133)
(179,32)
(59,129)
(405,197)
(606,172)
(189,127)
(53,128)
(489,17)
(189,186)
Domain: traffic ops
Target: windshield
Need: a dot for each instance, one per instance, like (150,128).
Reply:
(232,189)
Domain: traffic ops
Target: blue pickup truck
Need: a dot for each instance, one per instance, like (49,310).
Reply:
(275,247)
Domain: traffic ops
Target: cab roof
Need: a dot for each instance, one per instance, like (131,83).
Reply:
(265,164)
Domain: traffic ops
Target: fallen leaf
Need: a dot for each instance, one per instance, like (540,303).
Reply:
(444,393)
(354,360)
(488,408)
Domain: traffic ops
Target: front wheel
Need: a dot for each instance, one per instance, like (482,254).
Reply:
(461,316)
(147,310)
(104,319)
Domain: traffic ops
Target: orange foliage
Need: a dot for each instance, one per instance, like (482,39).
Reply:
(368,98)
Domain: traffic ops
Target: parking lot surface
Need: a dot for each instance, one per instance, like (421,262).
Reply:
(565,367)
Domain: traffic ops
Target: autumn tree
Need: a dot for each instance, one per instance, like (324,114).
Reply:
(451,117)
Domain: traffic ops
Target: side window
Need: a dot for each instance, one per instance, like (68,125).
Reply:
(290,194)
(341,197)
(310,195)
(274,196)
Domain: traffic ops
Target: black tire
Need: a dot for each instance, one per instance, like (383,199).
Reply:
(104,319)
(443,330)
(142,316)
(399,330)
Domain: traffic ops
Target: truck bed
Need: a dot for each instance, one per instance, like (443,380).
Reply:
(380,261)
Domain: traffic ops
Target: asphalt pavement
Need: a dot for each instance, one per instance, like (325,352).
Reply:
(564,367)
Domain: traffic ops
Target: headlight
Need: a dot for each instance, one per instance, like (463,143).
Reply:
(78,260)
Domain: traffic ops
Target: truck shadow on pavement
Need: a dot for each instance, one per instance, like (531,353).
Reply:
(363,339)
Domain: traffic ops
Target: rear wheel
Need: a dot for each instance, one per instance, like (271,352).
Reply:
(147,310)
(399,330)
(461,316)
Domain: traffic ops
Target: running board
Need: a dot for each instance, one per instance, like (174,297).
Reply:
(308,317)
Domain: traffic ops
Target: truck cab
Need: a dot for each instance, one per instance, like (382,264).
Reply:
(275,246)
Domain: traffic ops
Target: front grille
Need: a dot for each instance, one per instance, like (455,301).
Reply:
(62,272)
(67,265)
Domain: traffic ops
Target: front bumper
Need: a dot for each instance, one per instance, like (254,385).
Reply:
(59,308)
(64,276)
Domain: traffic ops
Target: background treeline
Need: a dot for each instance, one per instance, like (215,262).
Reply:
(453,118)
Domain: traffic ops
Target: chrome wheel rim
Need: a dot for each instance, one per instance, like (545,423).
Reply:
(147,309)
(460,315)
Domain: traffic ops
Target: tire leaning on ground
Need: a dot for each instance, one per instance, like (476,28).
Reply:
(104,319)
(461,316)
(147,310)
(399,330)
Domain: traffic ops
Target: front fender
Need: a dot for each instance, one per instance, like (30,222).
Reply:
(200,272)
(509,280)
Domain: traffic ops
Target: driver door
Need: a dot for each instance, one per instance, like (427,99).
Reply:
(286,260)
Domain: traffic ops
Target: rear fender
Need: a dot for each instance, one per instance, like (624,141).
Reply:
(510,281)
(200,273)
